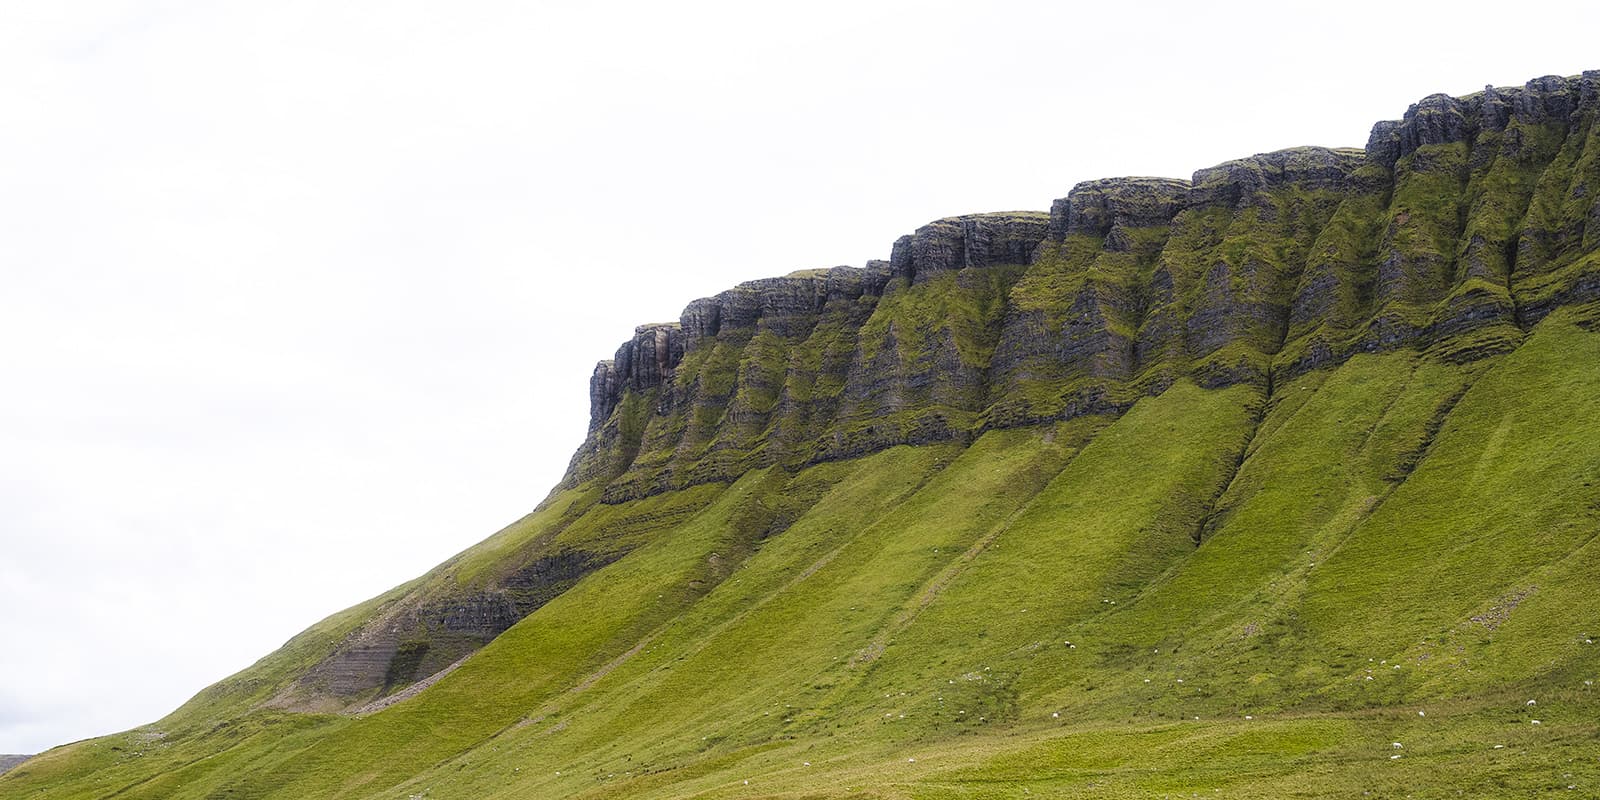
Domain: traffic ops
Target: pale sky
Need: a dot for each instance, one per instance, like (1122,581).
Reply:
(300,298)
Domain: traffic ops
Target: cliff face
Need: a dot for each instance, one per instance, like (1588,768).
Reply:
(1455,230)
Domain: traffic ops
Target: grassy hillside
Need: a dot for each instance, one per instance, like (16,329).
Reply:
(1280,482)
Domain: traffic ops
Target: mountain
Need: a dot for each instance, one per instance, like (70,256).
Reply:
(1279,481)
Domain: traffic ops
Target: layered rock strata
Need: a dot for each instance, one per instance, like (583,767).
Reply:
(1455,229)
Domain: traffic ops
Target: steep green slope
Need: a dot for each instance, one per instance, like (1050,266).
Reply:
(1279,482)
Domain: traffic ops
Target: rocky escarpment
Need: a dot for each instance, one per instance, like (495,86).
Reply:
(1092,547)
(724,380)
(1454,230)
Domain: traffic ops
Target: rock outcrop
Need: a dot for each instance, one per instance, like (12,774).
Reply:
(1458,227)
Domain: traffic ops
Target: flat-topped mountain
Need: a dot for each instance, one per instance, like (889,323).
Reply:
(1450,232)
(1283,480)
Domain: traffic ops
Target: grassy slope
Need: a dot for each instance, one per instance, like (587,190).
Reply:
(1392,512)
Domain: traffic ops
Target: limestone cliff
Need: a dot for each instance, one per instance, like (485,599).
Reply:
(1458,227)
(1455,230)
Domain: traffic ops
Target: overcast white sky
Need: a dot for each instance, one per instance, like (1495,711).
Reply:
(300,298)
